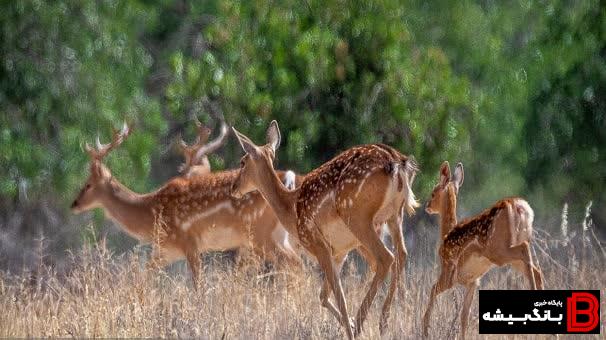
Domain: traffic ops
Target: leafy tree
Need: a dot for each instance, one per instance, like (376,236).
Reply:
(515,90)
(565,132)
(70,69)
(334,74)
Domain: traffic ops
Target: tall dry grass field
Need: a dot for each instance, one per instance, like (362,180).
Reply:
(103,295)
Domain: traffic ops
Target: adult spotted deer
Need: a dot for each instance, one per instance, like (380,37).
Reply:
(186,216)
(498,236)
(196,164)
(339,207)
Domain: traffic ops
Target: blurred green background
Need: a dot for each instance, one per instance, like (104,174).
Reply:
(516,90)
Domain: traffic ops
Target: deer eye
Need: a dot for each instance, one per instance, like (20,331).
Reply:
(87,186)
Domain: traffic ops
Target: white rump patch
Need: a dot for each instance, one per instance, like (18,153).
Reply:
(410,202)
(524,220)
(528,212)
(290,180)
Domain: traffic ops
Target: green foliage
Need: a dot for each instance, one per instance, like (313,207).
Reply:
(69,70)
(334,75)
(566,128)
(514,89)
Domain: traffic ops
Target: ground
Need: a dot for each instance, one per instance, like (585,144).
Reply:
(104,295)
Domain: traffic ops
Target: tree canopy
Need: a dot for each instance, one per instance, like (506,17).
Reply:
(514,89)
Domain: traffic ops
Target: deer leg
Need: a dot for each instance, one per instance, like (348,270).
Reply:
(520,266)
(372,265)
(325,290)
(521,252)
(444,282)
(286,249)
(291,260)
(285,257)
(272,245)
(158,260)
(383,259)
(527,258)
(282,258)
(326,303)
(323,254)
(243,256)
(265,253)
(538,276)
(470,290)
(397,268)
(193,261)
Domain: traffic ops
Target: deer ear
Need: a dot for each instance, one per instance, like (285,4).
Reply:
(458,176)
(444,173)
(247,145)
(273,135)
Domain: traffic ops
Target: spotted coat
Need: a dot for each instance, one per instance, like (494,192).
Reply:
(182,198)
(478,228)
(350,167)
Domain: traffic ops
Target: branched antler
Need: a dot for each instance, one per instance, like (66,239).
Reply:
(190,151)
(217,142)
(101,150)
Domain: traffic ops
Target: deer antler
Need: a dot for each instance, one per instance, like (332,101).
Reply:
(102,150)
(196,154)
(217,142)
(189,151)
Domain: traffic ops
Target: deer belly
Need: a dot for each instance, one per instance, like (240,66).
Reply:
(338,236)
(220,238)
(472,266)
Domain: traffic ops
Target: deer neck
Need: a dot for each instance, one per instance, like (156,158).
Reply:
(130,210)
(281,200)
(448,215)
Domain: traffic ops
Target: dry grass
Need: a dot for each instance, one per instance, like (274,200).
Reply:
(111,296)
(103,296)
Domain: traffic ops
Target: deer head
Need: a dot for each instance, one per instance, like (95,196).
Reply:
(257,164)
(99,180)
(439,195)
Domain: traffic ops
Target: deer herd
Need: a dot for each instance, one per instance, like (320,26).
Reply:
(342,205)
